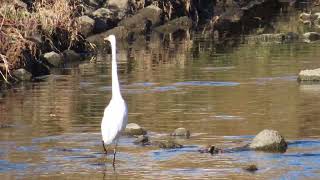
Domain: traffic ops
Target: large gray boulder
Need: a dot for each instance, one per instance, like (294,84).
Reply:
(309,75)
(86,25)
(53,59)
(137,22)
(269,141)
(133,129)
(145,19)
(104,19)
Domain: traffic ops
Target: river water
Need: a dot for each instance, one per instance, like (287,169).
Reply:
(224,94)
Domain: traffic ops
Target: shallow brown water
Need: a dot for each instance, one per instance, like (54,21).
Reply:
(223,95)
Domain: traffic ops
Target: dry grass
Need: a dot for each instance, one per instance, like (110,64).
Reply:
(58,14)
(48,18)
(4,68)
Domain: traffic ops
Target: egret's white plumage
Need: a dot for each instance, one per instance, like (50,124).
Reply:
(115,115)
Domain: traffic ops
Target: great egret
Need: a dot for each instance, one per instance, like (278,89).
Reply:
(115,115)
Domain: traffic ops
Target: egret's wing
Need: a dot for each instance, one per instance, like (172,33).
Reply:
(114,121)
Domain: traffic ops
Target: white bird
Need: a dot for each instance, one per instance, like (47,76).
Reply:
(115,115)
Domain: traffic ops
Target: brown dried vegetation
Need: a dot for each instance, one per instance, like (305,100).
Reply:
(18,25)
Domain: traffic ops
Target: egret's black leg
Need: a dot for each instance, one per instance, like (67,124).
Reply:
(114,154)
(104,147)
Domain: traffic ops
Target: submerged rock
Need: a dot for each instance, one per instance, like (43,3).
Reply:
(269,141)
(53,59)
(210,149)
(22,74)
(309,75)
(250,168)
(86,25)
(134,129)
(168,144)
(183,132)
(142,140)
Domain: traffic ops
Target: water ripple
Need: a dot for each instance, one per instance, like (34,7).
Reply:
(206,83)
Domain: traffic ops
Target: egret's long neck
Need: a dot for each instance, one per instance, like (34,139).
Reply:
(115,81)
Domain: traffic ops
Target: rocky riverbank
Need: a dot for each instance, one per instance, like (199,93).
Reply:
(37,36)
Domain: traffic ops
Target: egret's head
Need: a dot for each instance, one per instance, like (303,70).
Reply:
(111,38)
